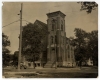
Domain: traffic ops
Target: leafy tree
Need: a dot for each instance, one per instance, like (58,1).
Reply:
(86,45)
(93,46)
(15,58)
(88,6)
(5,50)
(80,44)
(33,41)
(11,59)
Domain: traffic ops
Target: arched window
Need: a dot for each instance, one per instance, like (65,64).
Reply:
(55,39)
(61,25)
(52,39)
(71,52)
(53,26)
(68,52)
(63,40)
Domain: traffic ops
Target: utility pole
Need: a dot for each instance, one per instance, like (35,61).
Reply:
(20,39)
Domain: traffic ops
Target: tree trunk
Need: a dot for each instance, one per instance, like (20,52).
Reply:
(34,62)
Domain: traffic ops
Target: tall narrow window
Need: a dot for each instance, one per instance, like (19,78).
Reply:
(63,40)
(52,27)
(71,52)
(68,52)
(55,39)
(53,24)
(51,39)
(61,25)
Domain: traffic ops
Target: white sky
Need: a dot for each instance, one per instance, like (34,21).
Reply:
(32,11)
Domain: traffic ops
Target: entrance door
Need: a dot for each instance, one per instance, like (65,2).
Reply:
(53,55)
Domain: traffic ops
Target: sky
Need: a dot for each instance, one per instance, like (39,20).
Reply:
(37,11)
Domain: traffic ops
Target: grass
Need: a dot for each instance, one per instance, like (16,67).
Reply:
(85,72)
(58,75)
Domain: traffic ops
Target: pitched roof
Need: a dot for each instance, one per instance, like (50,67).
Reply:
(43,25)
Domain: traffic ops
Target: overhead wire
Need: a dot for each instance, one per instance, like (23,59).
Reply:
(31,22)
(26,21)
(10,23)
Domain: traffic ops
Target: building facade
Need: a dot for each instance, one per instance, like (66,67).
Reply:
(59,52)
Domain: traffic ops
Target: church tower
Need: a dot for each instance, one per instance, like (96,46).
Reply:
(56,38)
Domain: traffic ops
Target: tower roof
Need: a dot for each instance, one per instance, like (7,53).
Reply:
(56,13)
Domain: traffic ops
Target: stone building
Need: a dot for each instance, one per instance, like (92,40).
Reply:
(59,50)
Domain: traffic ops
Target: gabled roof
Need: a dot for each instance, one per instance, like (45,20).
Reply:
(43,25)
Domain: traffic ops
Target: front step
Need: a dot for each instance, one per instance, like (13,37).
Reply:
(49,64)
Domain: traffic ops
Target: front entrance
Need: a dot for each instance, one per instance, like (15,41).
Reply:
(52,55)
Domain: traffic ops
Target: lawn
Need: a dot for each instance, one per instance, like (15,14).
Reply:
(85,72)
(55,75)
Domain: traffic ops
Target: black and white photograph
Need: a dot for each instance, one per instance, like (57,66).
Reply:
(50,39)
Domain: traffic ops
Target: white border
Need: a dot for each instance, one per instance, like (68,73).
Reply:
(98,1)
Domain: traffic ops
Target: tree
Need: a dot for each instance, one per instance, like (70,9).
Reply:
(15,58)
(5,50)
(86,45)
(93,46)
(88,6)
(34,42)
(80,45)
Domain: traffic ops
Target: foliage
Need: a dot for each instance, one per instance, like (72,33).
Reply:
(88,6)
(5,41)
(5,51)
(33,41)
(93,45)
(80,51)
(86,45)
(15,58)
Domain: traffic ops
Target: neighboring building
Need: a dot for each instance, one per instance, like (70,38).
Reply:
(88,62)
(59,50)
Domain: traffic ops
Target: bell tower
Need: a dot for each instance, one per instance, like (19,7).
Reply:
(56,37)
